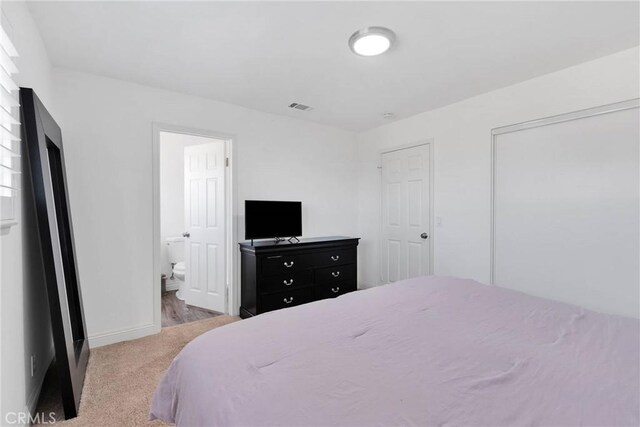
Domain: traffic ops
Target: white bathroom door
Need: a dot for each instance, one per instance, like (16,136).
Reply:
(204,190)
(405,213)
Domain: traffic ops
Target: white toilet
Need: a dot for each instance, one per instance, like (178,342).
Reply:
(178,271)
(175,252)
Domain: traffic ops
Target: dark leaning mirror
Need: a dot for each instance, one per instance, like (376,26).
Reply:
(43,145)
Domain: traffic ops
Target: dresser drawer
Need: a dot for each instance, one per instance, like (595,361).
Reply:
(334,290)
(337,274)
(331,257)
(280,264)
(285,299)
(293,280)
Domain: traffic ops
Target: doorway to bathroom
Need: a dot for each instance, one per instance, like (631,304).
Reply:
(192,224)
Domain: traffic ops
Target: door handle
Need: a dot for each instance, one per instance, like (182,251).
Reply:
(289,283)
(335,290)
(288,300)
(186,234)
(335,273)
(288,264)
(424,236)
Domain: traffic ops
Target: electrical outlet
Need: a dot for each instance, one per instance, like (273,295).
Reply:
(33,364)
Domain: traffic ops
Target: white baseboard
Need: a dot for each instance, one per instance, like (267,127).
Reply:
(112,337)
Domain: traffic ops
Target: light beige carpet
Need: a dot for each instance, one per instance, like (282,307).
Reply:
(122,377)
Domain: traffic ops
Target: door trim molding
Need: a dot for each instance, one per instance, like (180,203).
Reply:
(531,124)
(431,143)
(231,227)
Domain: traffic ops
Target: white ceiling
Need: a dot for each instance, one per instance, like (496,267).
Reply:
(267,55)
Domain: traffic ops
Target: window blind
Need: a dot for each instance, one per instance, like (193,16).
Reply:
(9,128)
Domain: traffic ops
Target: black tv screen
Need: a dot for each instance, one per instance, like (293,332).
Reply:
(268,219)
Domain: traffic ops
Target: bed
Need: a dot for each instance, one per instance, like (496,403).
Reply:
(425,351)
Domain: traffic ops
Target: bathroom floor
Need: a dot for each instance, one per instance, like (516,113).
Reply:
(176,312)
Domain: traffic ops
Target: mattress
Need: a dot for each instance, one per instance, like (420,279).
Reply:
(425,351)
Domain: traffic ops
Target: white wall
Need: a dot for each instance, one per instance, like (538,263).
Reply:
(24,312)
(107,128)
(462,148)
(172,208)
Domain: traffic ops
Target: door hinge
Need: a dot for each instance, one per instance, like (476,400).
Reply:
(226,162)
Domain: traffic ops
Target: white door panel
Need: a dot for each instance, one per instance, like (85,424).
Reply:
(405,213)
(204,204)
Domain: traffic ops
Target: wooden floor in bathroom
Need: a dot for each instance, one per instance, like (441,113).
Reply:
(176,312)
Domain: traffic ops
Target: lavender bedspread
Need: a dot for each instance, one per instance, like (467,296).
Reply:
(425,352)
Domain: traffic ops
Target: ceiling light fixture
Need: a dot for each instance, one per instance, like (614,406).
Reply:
(371,41)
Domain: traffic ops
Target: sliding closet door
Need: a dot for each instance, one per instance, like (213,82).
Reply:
(566,210)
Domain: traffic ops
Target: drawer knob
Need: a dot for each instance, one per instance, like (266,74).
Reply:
(335,273)
(288,264)
(289,283)
(335,290)
(288,300)
(335,258)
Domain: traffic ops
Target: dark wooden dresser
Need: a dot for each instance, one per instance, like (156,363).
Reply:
(280,275)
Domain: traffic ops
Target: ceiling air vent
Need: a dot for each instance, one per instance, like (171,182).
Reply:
(301,107)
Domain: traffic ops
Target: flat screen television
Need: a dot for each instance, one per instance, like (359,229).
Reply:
(265,219)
